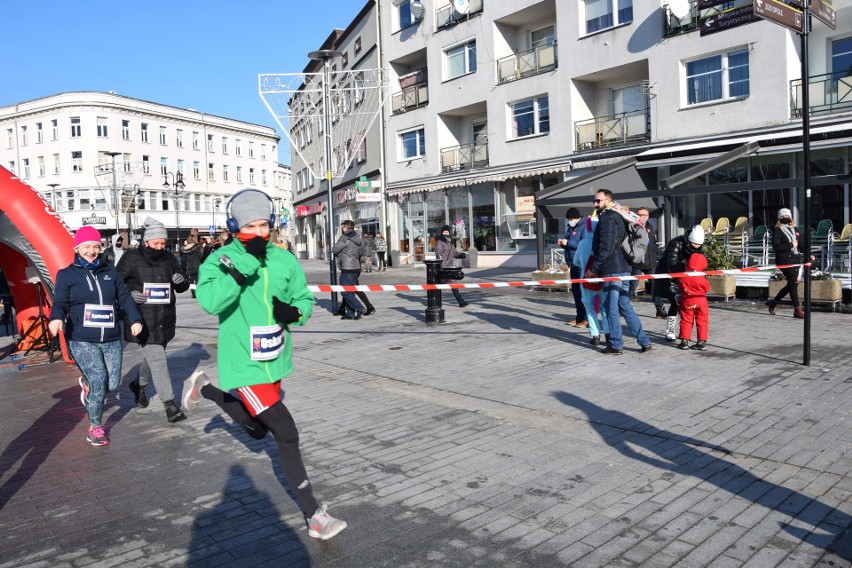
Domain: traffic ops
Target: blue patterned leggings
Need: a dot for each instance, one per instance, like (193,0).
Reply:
(100,364)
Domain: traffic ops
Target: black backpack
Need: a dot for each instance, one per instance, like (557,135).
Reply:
(635,243)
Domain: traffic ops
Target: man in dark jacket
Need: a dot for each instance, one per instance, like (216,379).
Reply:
(153,276)
(347,253)
(574,232)
(190,255)
(648,263)
(114,252)
(610,261)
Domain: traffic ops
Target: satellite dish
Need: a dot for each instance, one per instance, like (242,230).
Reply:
(416,7)
(679,8)
(461,6)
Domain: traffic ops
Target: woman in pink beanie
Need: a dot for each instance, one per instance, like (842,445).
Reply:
(86,302)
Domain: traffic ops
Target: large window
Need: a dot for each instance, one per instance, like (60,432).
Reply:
(530,117)
(841,57)
(603,14)
(102,127)
(76,129)
(484,231)
(403,10)
(719,77)
(76,161)
(460,59)
(412,144)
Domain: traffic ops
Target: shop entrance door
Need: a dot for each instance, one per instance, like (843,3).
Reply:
(416,236)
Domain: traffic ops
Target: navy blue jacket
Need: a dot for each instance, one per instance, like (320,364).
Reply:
(77,286)
(573,238)
(606,245)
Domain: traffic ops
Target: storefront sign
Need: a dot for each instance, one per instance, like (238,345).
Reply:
(368,197)
(525,205)
(305,210)
(94,220)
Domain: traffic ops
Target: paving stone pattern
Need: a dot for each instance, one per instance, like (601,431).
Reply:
(499,438)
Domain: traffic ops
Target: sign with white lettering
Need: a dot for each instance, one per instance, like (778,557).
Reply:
(727,20)
(780,13)
(94,220)
(824,12)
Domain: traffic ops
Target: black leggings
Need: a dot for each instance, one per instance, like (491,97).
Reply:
(381,255)
(792,287)
(275,419)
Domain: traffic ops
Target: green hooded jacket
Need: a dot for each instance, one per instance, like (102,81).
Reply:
(240,307)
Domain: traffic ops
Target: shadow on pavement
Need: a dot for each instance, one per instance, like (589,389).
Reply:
(828,528)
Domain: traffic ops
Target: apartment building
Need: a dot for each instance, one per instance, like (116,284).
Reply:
(110,161)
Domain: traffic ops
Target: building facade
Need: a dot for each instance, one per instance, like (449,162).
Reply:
(110,161)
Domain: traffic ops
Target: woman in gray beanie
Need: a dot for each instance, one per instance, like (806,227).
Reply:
(785,243)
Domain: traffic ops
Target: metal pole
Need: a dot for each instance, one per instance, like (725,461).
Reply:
(806,179)
(115,190)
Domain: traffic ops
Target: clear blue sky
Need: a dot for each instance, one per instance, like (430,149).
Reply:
(183,53)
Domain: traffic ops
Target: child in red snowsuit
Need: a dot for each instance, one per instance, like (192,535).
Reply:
(693,304)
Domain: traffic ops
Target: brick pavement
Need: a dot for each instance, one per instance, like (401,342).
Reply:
(500,438)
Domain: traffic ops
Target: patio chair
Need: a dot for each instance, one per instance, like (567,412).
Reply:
(739,234)
(723,226)
(823,233)
(758,245)
(707,224)
(842,239)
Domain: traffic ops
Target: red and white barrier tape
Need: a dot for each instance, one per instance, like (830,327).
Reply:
(483,285)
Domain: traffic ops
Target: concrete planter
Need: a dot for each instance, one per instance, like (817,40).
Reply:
(822,291)
(722,286)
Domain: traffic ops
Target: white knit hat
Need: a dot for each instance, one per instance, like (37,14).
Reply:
(696,235)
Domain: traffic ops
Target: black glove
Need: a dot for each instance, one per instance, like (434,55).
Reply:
(257,247)
(285,313)
(138,297)
(178,279)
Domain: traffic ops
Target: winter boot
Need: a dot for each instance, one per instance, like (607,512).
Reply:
(684,344)
(139,394)
(670,329)
(173,413)
(798,313)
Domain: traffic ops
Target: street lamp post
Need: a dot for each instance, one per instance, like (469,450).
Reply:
(215,208)
(53,204)
(134,193)
(115,188)
(177,183)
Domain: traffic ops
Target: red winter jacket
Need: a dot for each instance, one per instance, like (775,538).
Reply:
(695,285)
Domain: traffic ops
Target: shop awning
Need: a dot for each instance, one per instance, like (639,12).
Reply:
(681,178)
(622,178)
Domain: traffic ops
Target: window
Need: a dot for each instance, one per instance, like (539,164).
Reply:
(412,144)
(530,117)
(56,164)
(85,202)
(195,140)
(239,174)
(263,177)
(162,136)
(251,176)
(164,166)
(460,60)
(196,170)
(238,147)
(39,133)
(403,10)
(54,127)
(225,172)
(125,160)
(211,174)
(76,161)
(76,129)
(143,135)
(361,151)
(26,168)
(12,167)
(263,151)
(627,99)
(146,164)
(357,46)
(102,127)
(125,130)
(209,142)
(224,144)
(24,136)
(179,138)
(345,60)
(720,77)
(542,37)
(10,138)
(41,170)
(180,167)
(251,149)
(600,14)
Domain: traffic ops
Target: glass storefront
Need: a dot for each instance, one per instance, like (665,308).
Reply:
(482,214)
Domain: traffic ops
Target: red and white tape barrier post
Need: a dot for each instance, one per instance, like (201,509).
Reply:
(324,288)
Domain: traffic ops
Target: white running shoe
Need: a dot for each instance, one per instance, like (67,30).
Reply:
(192,389)
(323,526)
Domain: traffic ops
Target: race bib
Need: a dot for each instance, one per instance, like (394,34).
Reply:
(98,315)
(267,342)
(157,293)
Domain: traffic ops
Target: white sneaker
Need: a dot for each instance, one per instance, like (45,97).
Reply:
(670,329)
(323,526)
(192,389)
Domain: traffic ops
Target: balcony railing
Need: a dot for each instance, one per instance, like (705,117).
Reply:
(447,15)
(674,25)
(604,131)
(409,98)
(464,157)
(827,93)
(527,63)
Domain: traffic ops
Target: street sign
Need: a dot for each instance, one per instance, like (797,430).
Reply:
(779,13)
(727,20)
(704,4)
(94,220)
(824,12)
(212,229)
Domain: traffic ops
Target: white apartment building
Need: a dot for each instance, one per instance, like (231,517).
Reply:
(110,161)
(504,116)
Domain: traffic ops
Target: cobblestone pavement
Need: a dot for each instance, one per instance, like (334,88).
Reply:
(500,438)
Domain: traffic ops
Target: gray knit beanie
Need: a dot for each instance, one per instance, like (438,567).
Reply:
(153,230)
(248,205)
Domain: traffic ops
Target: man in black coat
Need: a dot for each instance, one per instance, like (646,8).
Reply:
(153,276)
(648,263)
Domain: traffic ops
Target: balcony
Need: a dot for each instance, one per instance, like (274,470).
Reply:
(464,157)
(616,130)
(676,24)
(409,98)
(827,93)
(447,16)
(527,63)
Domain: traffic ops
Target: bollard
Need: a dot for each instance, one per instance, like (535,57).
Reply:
(434,311)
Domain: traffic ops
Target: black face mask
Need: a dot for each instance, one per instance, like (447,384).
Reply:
(786,221)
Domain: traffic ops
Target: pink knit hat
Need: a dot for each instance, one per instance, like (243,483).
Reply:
(87,234)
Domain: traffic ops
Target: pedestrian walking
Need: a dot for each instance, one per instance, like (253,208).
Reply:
(693,304)
(785,243)
(259,292)
(190,254)
(347,253)
(113,253)
(86,302)
(381,250)
(646,266)
(574,232)
(674,259)
(591,292)
(368,249)
(446,253)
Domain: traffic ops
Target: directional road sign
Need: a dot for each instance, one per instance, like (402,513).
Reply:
(779,13)
(727,20)
(824,12)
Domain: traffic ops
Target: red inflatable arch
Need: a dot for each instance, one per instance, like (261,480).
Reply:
(32,236)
